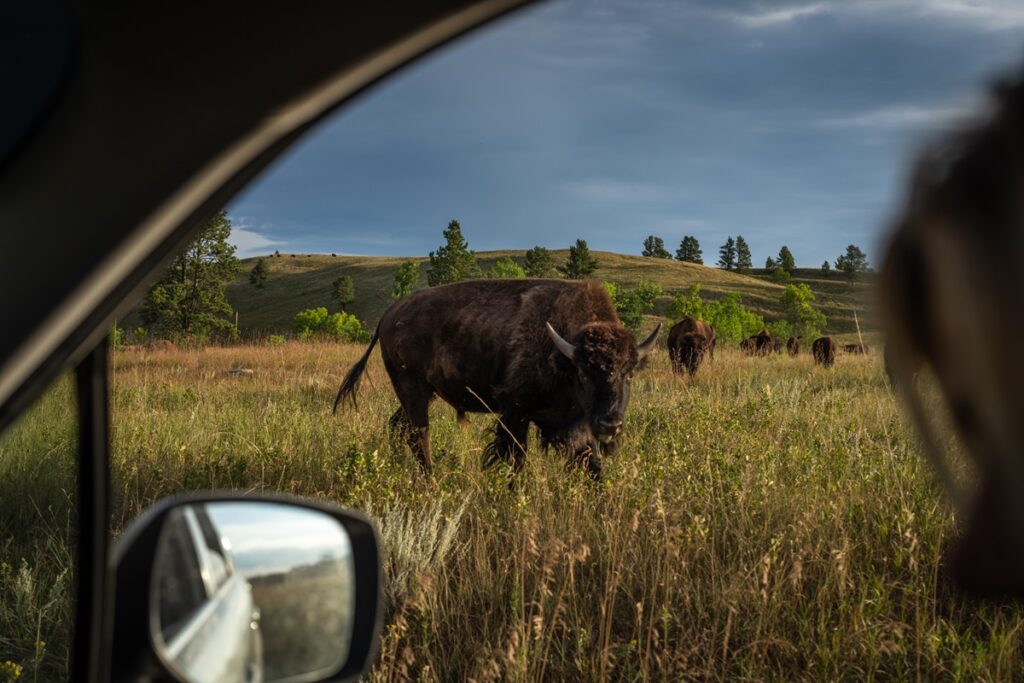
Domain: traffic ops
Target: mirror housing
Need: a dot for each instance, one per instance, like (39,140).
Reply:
(133,650)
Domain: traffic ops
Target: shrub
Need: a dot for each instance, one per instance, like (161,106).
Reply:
(805,320)
(315,323)
(116,336)
(690,304)
(632,305)
(276,340)
(732,322)
(507,268)
(140,335)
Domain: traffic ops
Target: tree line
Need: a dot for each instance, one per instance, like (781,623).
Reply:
(735,255)
(190,301)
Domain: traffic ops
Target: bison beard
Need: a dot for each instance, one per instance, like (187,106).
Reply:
(485,346)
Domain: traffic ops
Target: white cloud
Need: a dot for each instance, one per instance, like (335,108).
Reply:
(249,242)
(901,117)
(989,15)
(780,15)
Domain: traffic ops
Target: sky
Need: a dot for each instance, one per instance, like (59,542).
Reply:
(610,120)
(270,537)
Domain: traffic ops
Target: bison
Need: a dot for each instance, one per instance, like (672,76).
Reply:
(857,349)
(761,344)
(824,351)
(550,352)
(688,341)
(793,346)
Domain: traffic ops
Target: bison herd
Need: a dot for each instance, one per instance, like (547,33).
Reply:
(690,340)
(551,353)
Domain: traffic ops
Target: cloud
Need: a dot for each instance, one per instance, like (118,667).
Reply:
(249,242)
(901,117)
(781,15)
(993,15)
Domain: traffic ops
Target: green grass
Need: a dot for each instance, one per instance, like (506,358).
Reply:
(37,522)
(304,281)
(768,520)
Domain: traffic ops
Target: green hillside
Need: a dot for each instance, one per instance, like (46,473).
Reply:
(304,281)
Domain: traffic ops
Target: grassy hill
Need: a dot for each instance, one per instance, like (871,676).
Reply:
(304,281)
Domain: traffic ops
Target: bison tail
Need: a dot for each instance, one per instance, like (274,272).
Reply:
(348,386)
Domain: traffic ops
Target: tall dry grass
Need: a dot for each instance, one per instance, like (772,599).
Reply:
(766,520)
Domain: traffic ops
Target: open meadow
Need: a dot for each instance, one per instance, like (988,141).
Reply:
(767,520)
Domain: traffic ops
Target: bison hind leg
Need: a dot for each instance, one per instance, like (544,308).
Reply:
(416,438)
(508,444)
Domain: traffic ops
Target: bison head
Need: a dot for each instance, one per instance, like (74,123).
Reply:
(605,356)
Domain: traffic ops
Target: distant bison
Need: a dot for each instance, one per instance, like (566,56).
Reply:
(824,351)
(550,352)
(856,348)
(793,346)
(688,341)
(761,344)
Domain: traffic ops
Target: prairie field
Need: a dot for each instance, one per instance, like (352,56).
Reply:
(766,520)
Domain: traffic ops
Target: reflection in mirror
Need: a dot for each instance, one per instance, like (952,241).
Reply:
(253,591)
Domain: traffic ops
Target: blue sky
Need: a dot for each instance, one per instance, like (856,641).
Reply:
(788,123)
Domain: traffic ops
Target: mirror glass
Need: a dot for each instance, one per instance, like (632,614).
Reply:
(252,591)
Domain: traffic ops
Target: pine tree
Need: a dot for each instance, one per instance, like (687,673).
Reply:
(786,261)
(743,261)
(344,290)
(689,250)
(406,278)
(453,261)
(539,263)
(580,264)
(727,255)
(826,269)
(852,262)
(654,247)
(258,275)
(190,300)
(769,264)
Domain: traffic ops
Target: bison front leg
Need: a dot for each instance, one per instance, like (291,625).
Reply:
(589,457)
(509,443)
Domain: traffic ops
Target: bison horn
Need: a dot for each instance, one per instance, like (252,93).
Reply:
(567,349)
(647,344)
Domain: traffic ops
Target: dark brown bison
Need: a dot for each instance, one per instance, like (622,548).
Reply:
(761,344)
(550,352)
(824,351)
(688,342)
(857,349)
(793,346)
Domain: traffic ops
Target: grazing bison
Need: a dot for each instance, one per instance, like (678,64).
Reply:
(793,346)
(761,344)
(550,352)
(688,341)
(857,349)
(824,351)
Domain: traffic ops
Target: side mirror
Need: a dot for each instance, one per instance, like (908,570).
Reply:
(223,587)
